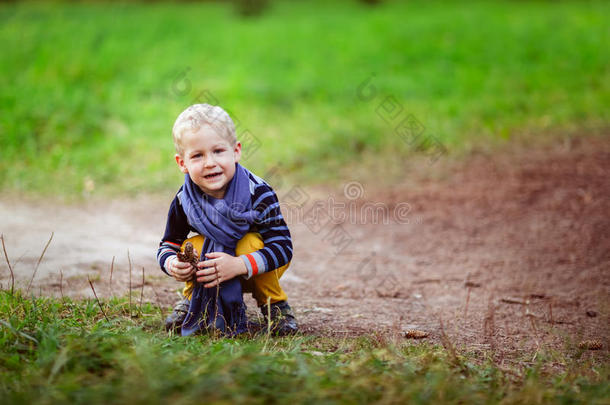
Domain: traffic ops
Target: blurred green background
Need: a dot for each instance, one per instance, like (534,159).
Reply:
(89,91)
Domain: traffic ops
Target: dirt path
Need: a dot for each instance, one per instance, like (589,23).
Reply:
(511,250)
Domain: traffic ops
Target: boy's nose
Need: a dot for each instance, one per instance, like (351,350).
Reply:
(210,162)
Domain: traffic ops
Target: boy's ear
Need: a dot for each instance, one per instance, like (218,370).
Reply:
(181,165)
(237,152)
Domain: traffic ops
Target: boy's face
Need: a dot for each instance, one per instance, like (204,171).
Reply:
(209,159)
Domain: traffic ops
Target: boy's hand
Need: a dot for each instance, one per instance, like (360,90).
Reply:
(220,267)
(181,271)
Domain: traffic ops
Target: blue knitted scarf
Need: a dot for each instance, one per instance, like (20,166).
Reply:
(223,222)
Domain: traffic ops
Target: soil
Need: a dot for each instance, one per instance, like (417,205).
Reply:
(505,252)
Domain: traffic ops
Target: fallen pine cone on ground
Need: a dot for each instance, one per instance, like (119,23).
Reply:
(415,334)
(591,314)
(590,345)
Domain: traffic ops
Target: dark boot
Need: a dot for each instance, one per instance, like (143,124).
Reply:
(175,319)
(283,322)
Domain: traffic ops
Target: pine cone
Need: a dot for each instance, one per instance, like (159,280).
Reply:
(189,255)
(415,334)
(590,344)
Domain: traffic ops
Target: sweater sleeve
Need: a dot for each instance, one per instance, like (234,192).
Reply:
(176,232)
(274,231)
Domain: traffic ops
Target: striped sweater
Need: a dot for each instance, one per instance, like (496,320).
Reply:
(271,226)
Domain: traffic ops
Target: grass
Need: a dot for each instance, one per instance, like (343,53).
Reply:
(59,350)
(89,91)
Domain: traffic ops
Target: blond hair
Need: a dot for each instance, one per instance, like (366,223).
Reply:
(200,115)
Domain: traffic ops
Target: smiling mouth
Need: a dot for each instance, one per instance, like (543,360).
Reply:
(212,176)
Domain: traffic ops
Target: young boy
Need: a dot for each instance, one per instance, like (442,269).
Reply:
(243,239)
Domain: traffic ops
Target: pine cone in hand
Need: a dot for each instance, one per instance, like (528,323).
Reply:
(189,255)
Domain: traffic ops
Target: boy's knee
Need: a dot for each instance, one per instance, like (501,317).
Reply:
(251,242)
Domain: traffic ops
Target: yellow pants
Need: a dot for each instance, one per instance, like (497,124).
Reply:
(262,286)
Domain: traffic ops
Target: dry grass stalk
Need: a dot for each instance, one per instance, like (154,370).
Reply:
(467,301)
(489,327)
(111,270)
(129,261)
(534,329)
(427,280)
(97,299)
(158,301)
(20,258)
(61,282)
(511,300)
(592,344)
(38,263)
(450,348)
(268,316)
(10,268)
(8,326)
(217,293)
(395,328)
(142,290)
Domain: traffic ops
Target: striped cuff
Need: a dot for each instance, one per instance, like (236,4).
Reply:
(254,264)
(165,263)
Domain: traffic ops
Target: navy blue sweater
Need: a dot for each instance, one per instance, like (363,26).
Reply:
(272,228)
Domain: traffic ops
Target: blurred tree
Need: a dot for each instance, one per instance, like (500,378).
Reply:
(371,2)
(250,8)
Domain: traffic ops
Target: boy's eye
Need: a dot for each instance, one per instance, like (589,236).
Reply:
(219,150)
